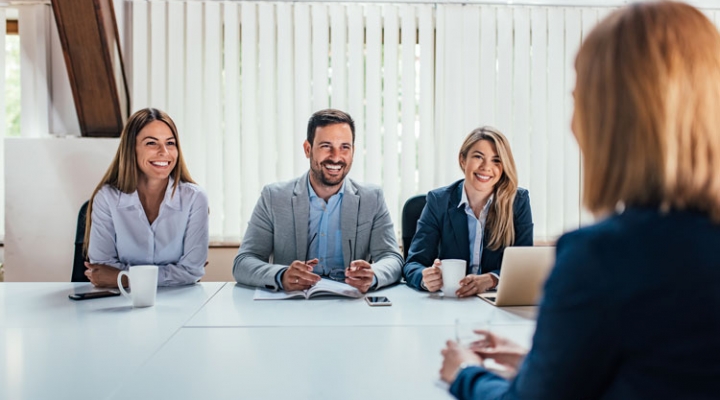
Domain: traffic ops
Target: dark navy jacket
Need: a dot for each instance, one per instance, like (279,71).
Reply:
(442,232)
(631,311)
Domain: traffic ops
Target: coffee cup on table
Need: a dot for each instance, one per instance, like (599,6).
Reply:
(453,271)
(143,284)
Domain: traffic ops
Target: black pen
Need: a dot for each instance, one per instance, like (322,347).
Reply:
(352,252)
(307,252)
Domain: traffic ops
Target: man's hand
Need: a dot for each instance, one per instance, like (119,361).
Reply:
(453,357)
(432,277)
(299,276)
(360,275)
(474,284)
(103,276)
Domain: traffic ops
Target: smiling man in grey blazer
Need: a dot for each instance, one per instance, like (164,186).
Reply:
(321,225)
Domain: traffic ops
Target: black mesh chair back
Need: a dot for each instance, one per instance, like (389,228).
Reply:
(410,215)
(78,272)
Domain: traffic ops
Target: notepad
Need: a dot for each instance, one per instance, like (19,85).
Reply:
(325,287)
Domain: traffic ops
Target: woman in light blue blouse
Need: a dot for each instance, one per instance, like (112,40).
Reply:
(147,209)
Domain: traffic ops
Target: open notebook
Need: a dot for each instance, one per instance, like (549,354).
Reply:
(325,287)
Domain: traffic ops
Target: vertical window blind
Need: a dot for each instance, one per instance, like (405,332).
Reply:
(240,79)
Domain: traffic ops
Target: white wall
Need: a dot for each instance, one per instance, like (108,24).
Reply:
(46,182)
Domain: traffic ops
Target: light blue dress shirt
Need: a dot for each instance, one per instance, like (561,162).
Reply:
(177,241)
(476,229)
(324,226)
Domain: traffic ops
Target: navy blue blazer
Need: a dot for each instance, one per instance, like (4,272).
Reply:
(442,232)
(631,311)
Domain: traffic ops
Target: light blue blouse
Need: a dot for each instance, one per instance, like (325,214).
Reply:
(476,229)
(177,241)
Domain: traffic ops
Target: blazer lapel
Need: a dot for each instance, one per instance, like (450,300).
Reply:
(301,216)
(459,224)
(349,221)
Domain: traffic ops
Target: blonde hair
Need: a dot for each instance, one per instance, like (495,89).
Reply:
(499,224)
(647,114)
(123,173)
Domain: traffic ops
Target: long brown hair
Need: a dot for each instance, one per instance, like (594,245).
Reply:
(123,173)
(500,225)
(646,110)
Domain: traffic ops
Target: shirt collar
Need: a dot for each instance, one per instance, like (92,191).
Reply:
(464,202)
(132,199)
(313,195)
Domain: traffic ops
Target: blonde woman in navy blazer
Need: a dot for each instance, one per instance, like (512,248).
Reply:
(632,308)
(473,219)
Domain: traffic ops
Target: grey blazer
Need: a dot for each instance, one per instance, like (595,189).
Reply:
(277,233)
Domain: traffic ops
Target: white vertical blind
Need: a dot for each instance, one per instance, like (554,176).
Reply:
(521,94)
(488,60)
(408,166)
(538,179)
(232,181)
(158,51)
(373,91)
(320,47)
(251,152)
(470,53)
(176,74)
(556,84)
(192,132)
(242,78)
(287,144)
(211,138)
(303,81)
(504,82)
(356,85)
(338,55)
(390,110)
(140,56)
(450,91)
(267,129)
(426,98)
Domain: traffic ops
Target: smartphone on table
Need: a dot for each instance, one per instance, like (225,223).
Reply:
(374,301)
(94,294)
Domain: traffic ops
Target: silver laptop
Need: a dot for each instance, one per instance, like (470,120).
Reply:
(522,275)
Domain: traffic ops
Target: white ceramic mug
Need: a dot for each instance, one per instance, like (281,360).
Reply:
(453,271)
(143,284)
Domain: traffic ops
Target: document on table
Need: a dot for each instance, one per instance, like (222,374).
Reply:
(326,287)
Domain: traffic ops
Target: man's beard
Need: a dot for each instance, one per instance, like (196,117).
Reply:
(318,173)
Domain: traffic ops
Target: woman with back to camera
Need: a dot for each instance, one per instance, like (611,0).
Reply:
(631,308)
(474,219)
(147,209)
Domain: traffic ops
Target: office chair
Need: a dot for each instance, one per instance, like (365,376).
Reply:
(410,214)
(78,272)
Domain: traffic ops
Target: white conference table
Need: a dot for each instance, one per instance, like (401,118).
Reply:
(55,348)
(212,340)
(234,306)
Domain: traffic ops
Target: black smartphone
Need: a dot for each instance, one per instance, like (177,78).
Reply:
(94,295)
(378,301)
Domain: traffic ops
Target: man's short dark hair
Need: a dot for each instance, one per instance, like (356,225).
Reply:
(328,117)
